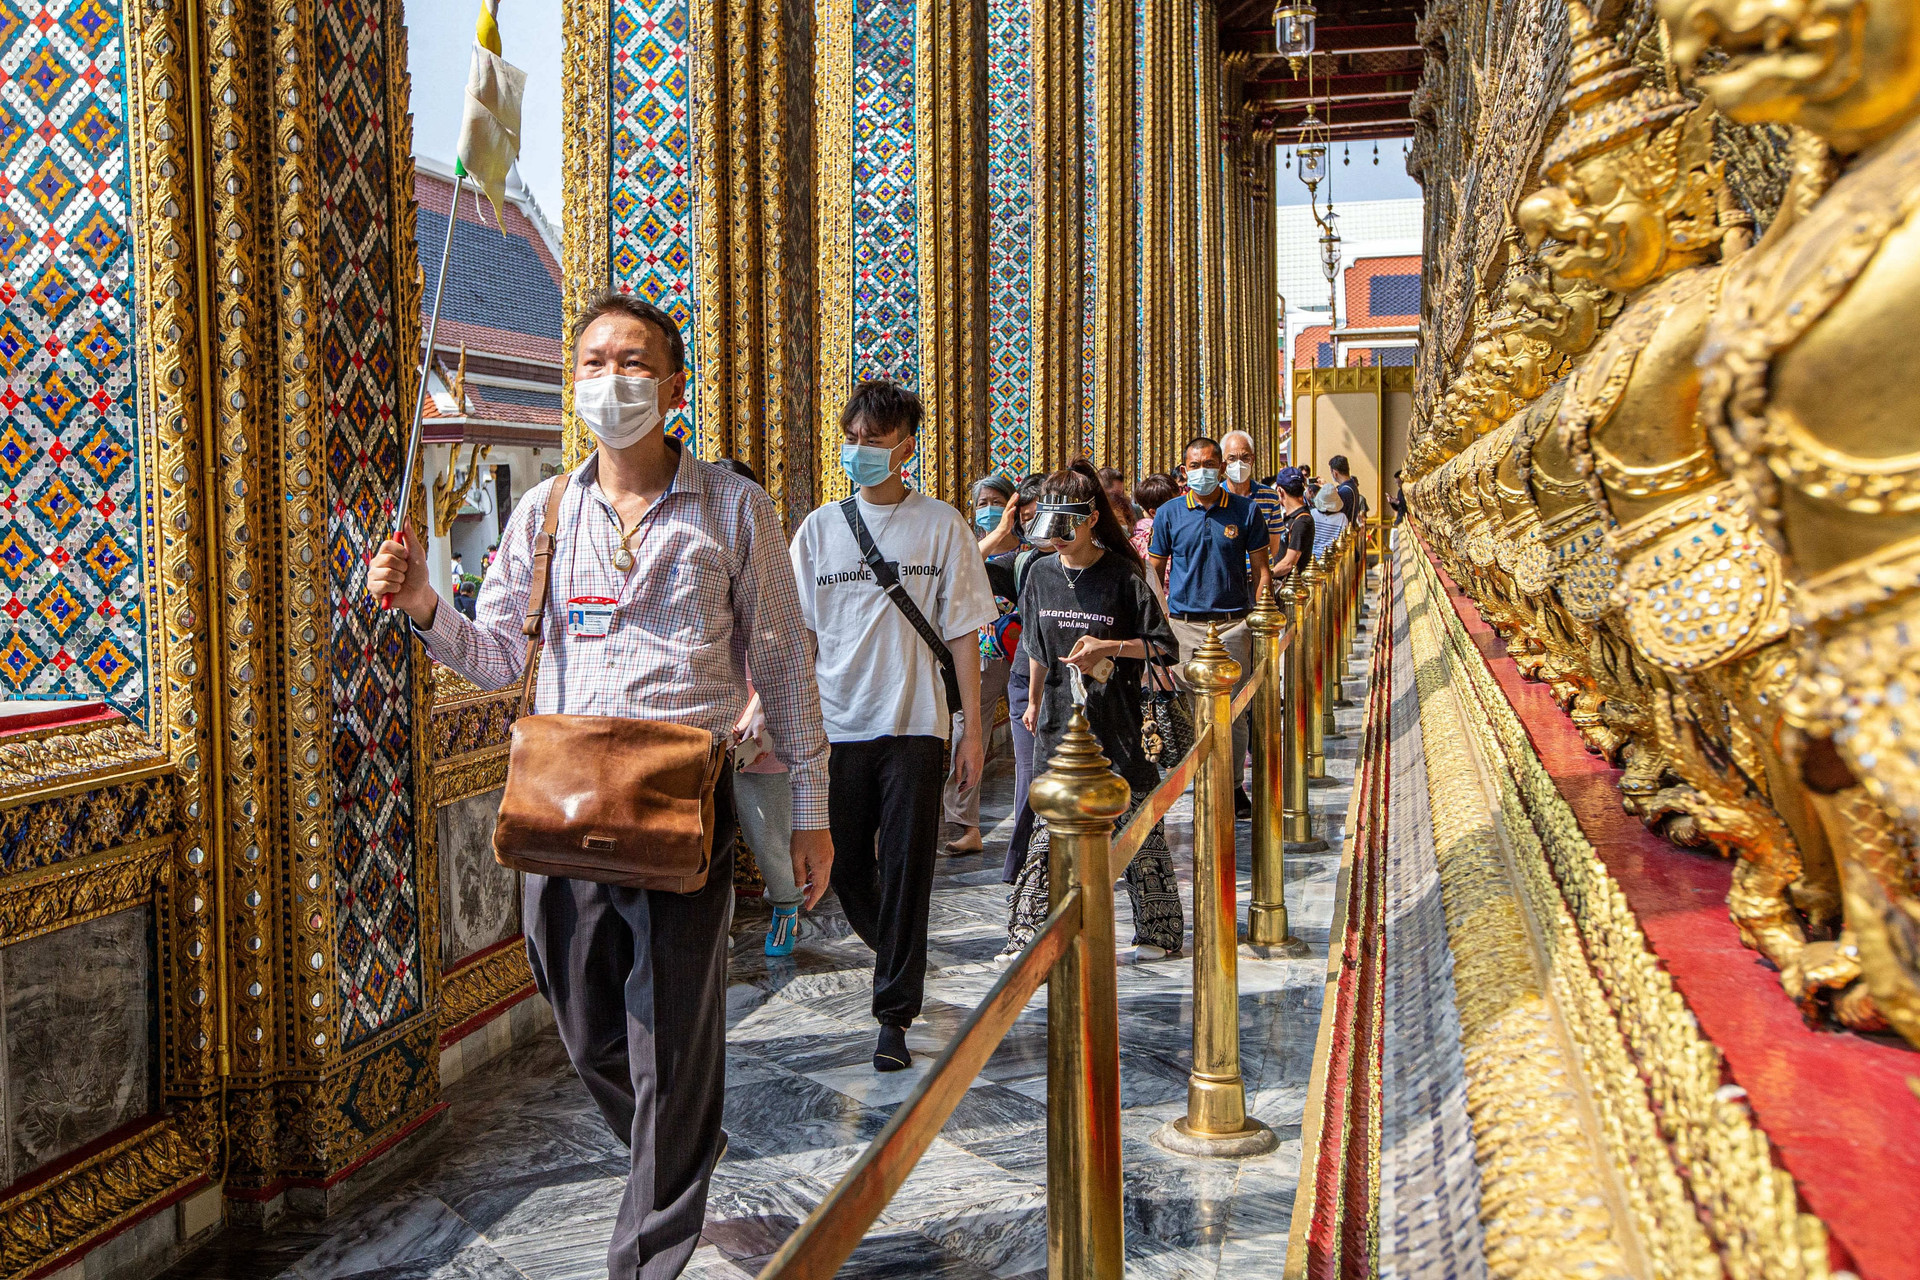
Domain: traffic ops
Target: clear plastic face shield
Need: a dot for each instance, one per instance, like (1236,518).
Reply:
(1058,521)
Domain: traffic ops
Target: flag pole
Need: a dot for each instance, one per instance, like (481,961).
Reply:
(426,366)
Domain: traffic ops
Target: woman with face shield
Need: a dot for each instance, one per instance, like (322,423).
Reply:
(1088,609)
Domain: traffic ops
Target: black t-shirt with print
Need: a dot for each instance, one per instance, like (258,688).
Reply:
(1296,529)
(1108,601)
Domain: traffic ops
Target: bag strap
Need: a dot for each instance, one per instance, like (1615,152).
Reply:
(897,592)
(532,625)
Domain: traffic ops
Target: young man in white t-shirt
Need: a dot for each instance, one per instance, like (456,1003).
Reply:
(883,695)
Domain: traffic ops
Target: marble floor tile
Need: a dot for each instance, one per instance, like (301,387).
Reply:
(948,1175)
(537,1203)
(1007,1237)
(239,1254)
(1021,1152)
(394,1231)
(709,1263)
(524,1179)
(792,1113)
(752,1221)
(891,1255)
(1259,1257)
(577,1251)
(475,1262)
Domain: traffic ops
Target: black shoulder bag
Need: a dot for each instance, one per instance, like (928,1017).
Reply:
(885,574)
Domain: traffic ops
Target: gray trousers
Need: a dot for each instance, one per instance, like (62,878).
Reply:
(638,984)
(962,805)
(1237,640)
(765,805)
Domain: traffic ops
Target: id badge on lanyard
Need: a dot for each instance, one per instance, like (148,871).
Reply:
(590,617)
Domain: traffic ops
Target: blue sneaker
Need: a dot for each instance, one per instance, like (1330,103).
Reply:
(783,931)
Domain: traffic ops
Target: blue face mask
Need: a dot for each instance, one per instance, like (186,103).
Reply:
(1203,480)
(987,519)
(867,465)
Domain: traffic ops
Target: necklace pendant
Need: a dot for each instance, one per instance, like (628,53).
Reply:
(623,559)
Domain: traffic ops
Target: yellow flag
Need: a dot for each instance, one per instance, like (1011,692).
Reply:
(490,120)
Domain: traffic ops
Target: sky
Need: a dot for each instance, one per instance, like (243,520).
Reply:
(1358,178)
(439,51)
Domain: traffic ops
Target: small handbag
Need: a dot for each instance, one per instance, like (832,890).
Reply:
(1166,731)
(611,799)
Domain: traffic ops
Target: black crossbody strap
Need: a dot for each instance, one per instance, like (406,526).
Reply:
(897,592)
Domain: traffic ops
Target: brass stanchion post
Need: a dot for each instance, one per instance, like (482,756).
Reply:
(1216,1123)
(1267,931)
(1356,586)
(1333,670)
(1314,607)
(1080,796)
(1360,580)
(1336,571)
(1296,820)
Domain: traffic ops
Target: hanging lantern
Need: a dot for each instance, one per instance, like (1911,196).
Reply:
(1310,154)
(1330,248)
(1293,29)
(1312,165)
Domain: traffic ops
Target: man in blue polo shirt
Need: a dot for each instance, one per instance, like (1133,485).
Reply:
(1212,547)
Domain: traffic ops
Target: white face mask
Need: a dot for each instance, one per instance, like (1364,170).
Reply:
(1239,472)
(618,409)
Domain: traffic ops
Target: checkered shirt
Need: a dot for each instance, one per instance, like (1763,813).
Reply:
(710,598)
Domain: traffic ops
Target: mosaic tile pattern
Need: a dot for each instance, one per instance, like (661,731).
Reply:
(1090,207)
(1010,233)
(653,217)
(886,291)
(377,917)
(73,544)
(1139,221)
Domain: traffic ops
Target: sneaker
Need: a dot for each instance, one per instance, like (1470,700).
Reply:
(782,931)
(1242,803)
(890,1053)
(1147,951)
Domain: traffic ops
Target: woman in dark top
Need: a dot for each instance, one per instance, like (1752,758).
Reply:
(1089,607)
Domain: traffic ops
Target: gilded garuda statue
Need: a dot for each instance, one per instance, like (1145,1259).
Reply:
(1636,204)
(1809,389)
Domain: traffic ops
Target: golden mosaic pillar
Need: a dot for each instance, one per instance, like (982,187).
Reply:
(906,80)
(1114,321)
(1185,413)
(749,113)
(1058,228)
(1158,355)
(1214,395)
(954,357)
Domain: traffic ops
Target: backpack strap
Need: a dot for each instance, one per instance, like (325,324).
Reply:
(532,624)
(889,580)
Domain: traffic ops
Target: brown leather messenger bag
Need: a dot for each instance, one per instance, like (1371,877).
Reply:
(611,799)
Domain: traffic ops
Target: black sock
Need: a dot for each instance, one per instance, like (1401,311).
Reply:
(890,1054)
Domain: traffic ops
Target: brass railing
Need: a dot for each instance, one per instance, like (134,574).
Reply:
(1074,953)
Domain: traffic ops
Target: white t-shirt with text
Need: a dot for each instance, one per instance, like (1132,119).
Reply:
(878,678)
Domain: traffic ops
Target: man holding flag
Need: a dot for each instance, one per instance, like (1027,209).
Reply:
(677,584)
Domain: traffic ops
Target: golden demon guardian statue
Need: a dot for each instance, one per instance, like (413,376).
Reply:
(1809,388)
(1636,205)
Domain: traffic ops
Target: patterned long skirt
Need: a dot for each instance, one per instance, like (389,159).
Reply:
(1158,919)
